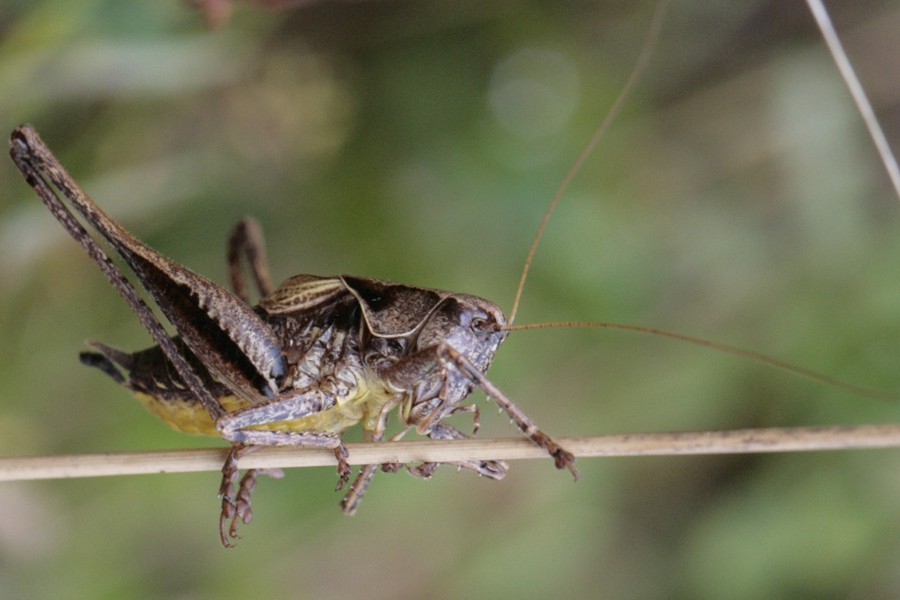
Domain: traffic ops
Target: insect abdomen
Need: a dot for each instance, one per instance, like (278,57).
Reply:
(161,392)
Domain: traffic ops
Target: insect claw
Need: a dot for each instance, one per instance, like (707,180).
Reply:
(565,459)
(228,515)
(223,535)
(343,467)
(423,471)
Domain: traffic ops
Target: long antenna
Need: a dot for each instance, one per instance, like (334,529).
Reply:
(719,347)
(643,59)
(875,131)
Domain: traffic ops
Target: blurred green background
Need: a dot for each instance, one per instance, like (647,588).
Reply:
(738,198)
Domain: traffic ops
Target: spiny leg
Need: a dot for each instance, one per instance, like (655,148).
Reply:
(229,338)
(487,468)
(425,427)
(185,298)
(406,373)
(236,506)
(301,440)
(350,502)
(476,416)
(41,169)
(230,514)
(492,469)
(563,459)
(247,240)
(296,404)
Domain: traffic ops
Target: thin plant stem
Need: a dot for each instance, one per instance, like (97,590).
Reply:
(856,91)
(738,441)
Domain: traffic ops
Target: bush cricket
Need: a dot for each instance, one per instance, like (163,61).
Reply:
(252,382)
(315,356)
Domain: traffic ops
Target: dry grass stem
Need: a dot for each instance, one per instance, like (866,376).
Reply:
(848,73)
(738,441)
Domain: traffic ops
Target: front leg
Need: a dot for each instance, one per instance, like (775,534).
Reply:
(563,459)
(492,469)
(406,373)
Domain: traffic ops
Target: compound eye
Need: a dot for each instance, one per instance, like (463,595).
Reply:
(481,322)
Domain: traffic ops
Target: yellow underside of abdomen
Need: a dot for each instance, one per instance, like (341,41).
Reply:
(191,417)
